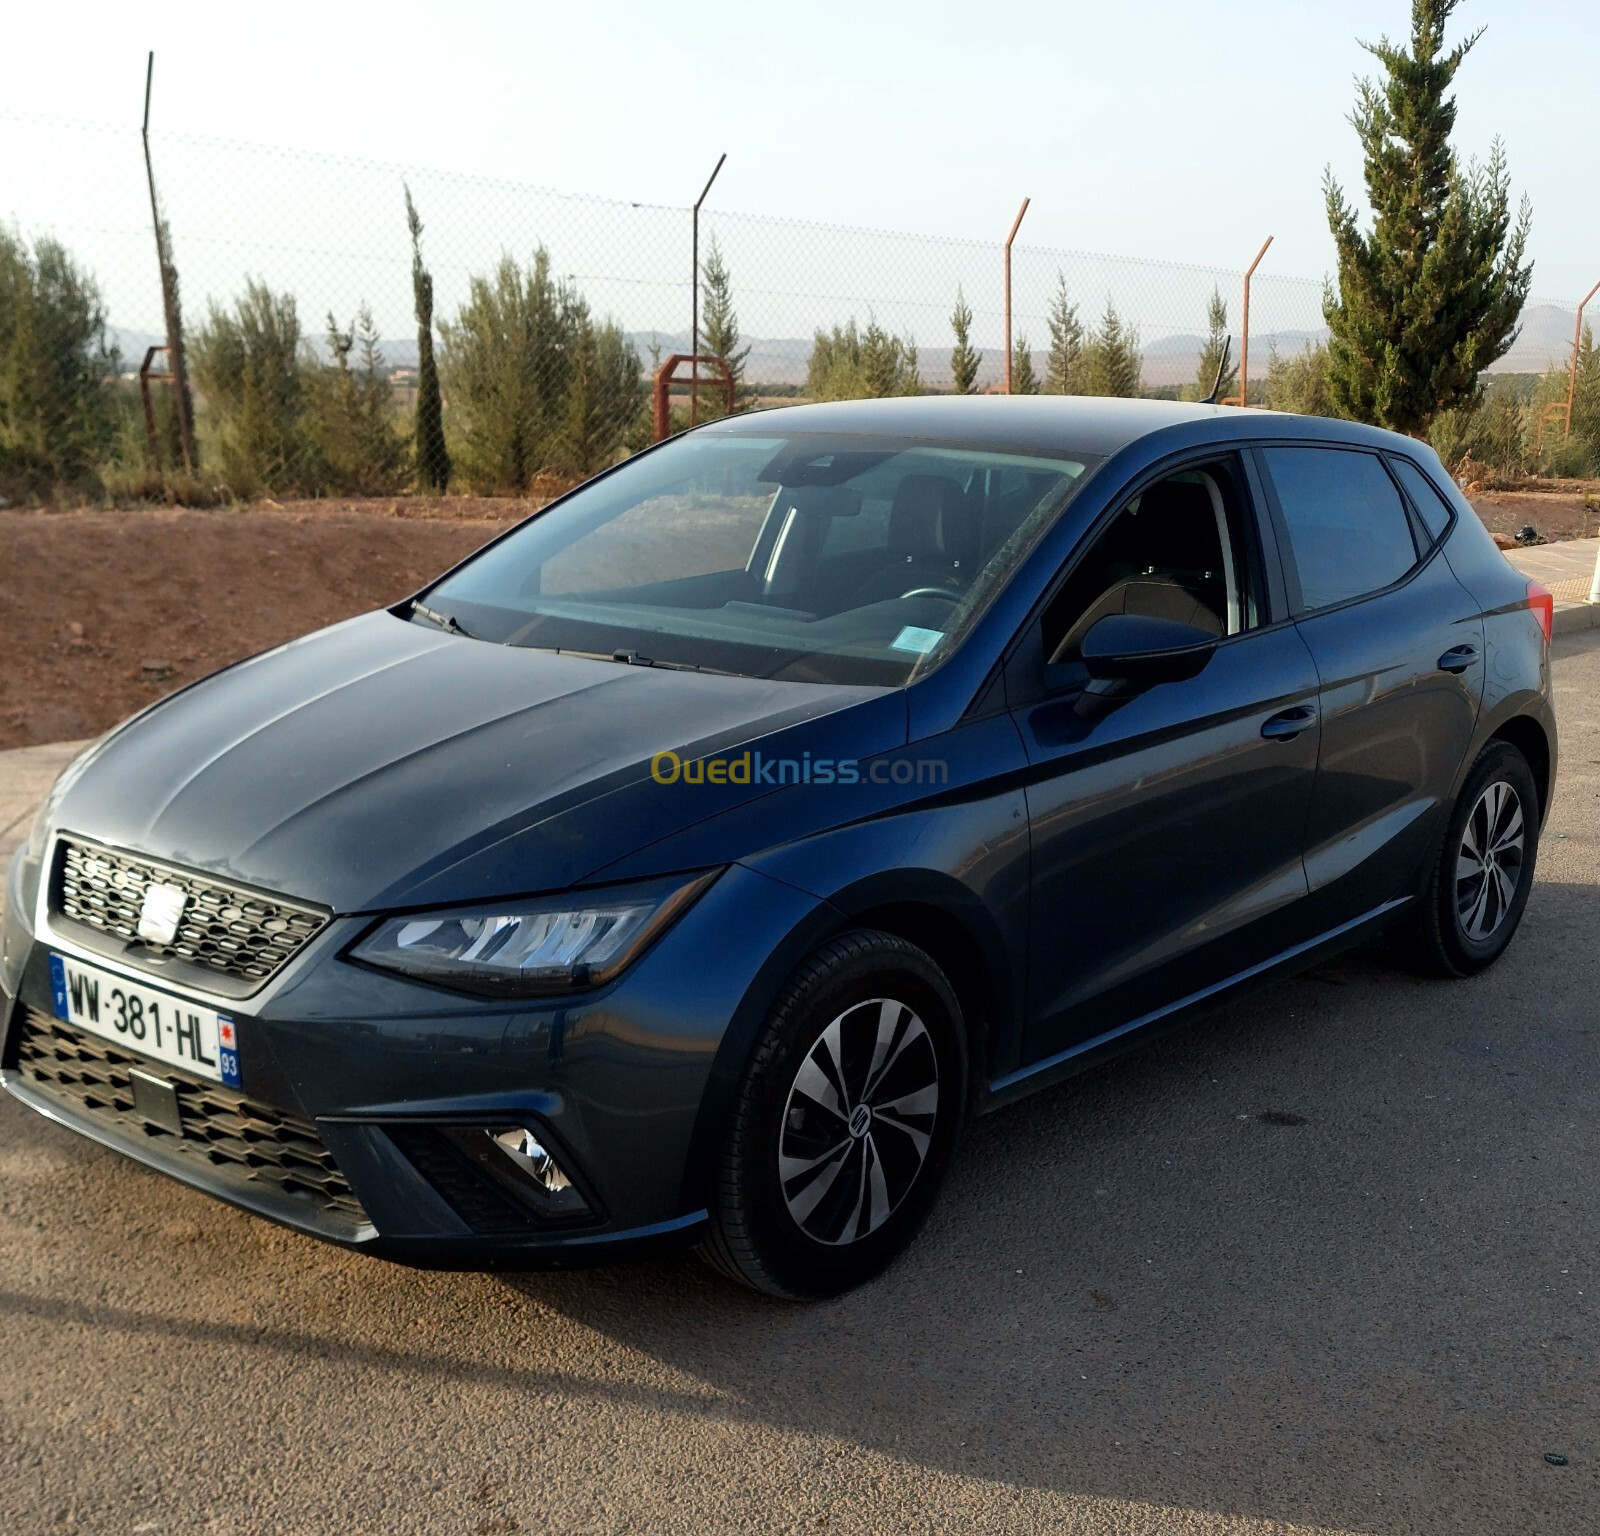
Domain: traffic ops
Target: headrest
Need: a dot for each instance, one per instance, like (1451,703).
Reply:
(1176,519)
(933,519)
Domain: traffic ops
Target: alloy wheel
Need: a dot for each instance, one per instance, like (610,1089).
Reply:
(858,1121)
(1489,861)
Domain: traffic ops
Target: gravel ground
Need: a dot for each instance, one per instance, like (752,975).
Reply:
(1326,1261)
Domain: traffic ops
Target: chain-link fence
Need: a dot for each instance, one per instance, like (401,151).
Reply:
(298,279)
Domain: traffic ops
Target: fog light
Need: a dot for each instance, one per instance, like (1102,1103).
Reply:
(524,1149)
(545,1179)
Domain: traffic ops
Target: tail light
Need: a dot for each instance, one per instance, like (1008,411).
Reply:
(1544,607)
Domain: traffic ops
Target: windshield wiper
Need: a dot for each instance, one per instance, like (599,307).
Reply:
(634,659)
(443,620)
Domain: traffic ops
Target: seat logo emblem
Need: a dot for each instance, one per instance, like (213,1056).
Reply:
(161,912)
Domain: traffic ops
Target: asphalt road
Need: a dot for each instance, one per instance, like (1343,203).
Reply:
(1326,1261)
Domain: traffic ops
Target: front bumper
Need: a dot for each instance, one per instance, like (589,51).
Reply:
(350,1079)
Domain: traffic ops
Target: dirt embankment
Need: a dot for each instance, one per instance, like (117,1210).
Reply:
(103,612)
(1555,509)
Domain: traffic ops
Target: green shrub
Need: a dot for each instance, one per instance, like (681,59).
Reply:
(535,384)
(249,367)
(58,417)
(1299,383)
(355,436)
(847,364)
(1492,437)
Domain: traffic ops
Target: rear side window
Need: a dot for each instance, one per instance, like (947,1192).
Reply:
(1348,529)
(1431,507)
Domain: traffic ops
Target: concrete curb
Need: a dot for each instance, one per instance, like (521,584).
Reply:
(1569,618)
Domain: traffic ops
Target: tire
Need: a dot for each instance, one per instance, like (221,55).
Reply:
(858,1082)
(1464,921)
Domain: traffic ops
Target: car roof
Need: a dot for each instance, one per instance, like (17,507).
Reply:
(1096,425)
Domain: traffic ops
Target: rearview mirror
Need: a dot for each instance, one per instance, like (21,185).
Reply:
(1128,648)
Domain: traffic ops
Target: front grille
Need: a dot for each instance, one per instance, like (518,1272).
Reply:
(225,928)
(242,1143)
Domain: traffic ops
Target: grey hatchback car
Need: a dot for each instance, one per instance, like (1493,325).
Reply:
(687,864)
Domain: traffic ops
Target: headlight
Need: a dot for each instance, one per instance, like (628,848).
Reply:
(524,948)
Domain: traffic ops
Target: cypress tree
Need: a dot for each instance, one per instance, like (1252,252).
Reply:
(1211,354)
(1112,361)
(719,327)
(433,458)
(1431,296)
(963,360)
(1024,381)
(1064,362)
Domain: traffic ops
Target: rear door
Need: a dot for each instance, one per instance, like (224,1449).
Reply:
(1398,646)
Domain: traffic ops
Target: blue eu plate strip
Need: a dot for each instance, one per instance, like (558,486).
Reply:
(58,985)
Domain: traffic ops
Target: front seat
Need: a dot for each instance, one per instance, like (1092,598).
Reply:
(1172,562)
(932,541)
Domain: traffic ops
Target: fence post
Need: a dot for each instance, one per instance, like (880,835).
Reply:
(1009,238)
(1244,334)
(694,337)
(176,362)
(1572,379)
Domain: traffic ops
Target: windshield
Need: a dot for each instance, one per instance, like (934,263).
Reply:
(837,559)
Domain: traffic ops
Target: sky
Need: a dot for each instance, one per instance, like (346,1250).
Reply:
(1168,130)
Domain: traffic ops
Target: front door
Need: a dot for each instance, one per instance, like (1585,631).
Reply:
(1166,830)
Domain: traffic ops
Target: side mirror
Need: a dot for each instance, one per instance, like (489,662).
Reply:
(1141,652)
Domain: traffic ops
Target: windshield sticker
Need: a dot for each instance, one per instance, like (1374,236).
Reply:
(918,641)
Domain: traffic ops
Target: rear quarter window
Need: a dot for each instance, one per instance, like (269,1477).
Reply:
(1348,530)
(1425,496)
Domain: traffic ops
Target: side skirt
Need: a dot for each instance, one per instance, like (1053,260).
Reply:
(1136,1032)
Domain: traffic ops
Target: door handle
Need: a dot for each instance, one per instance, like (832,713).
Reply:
(1289,723)
(1458,658)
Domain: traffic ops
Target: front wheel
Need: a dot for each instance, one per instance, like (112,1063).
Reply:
(844,1122)
(1483,873)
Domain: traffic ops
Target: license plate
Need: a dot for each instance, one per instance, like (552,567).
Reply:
(155,1024)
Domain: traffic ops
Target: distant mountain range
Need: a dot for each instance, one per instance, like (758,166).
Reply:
(1545,338)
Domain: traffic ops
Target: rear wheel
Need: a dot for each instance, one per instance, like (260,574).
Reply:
(844,1122)
(1483,873)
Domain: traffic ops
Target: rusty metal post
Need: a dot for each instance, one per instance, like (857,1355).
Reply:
(1572,376)
(666,377)
(694,329)
(169,299)
(1009,238)
(1244,336)
(149,410)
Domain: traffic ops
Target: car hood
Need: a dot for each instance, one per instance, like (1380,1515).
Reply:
(380,764)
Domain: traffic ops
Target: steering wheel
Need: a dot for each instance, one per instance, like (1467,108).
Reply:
(944,592)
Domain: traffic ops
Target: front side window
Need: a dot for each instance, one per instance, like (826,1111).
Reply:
(1174,552)
(1348,530)
(837,559)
